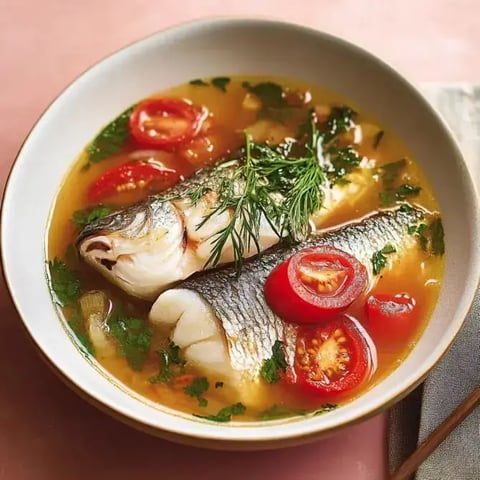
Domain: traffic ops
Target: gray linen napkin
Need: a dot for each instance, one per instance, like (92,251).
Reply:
(413,419)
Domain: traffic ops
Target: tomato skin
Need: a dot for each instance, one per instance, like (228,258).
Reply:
(333,358)
(292,300)
(129,176)
(164,107)
(391,316)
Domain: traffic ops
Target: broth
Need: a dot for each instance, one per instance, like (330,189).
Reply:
(416,272)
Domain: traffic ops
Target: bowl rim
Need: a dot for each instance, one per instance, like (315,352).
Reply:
(263,434)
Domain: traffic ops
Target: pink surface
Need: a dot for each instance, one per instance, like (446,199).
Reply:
(46,431)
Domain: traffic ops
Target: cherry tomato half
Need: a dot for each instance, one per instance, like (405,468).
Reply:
(130,176)
(315,284)
(333,358)
(391,316)
(165,122)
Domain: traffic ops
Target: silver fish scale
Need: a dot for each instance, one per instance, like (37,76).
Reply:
(155,211)
(251,328)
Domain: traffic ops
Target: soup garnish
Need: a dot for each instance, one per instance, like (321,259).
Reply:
(246,249)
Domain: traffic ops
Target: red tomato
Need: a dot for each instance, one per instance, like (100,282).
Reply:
(165,122)
(391,316)
(315,284)
(333,358)
(130,176)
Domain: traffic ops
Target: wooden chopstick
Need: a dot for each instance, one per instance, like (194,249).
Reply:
(437,436)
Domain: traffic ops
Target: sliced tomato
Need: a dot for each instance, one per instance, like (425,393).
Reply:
(391,316)
(165,122)
(130,176)
(333,358)
(315,284)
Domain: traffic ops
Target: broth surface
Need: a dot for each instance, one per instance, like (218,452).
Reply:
(416,272)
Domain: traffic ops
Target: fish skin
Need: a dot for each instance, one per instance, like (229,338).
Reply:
(238,300)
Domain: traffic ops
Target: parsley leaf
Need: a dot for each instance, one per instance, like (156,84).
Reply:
(198,387)
(339,121)
(437,233)
(327,407)
(198,82)
(407,190)
(111,138)
(76,324)
(64,283)
(89,215)
(225,414)
(168,358)
(279,411)
(271,94)
(342,161)
(133,338)
(221,83)
(379,260)
(389,172)
(270,367)
(378,138)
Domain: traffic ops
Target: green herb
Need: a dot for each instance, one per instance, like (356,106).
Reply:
(272,365)
(406,208)
(377,139)
(221,83)
(89,215)
(387,198)
(407,190)
(225,414)
(170,363)
(430,237)
(279,411)
(197,195)
(198,387)
(327,407)
(341,162)
(218,384)
(111,138)
(64,283)
(284,191)
(133,338)
(379,260)
(77,326)
(271,94)
(198,82)
(339,121)
(390,171)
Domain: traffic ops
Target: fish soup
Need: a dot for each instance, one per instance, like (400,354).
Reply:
(246,249)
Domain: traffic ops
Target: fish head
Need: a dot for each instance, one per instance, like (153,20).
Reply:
(139,248)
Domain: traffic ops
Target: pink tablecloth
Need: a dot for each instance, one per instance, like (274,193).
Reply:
(46,431)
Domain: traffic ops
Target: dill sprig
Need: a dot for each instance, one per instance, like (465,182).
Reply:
(268,186)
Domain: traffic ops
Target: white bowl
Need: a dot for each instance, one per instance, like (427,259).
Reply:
(204,49)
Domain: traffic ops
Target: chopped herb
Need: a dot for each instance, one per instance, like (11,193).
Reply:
(198,82)
(406,208)
(77,326)
(327,407)
(64,283)
(389,172)
(430,237)
(407,190)
(198,387)
(271,94)
(379,260)
(89,215)
(221,83)
(276,362)
(437,233)
(133,338)
(279,411)
(339,121)
(111,138)
(341,162)
(226,413)
(378,138)
(170,363)
(218,384)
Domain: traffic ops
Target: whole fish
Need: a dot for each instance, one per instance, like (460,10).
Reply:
(156,242)
(149,246)
(222,321)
